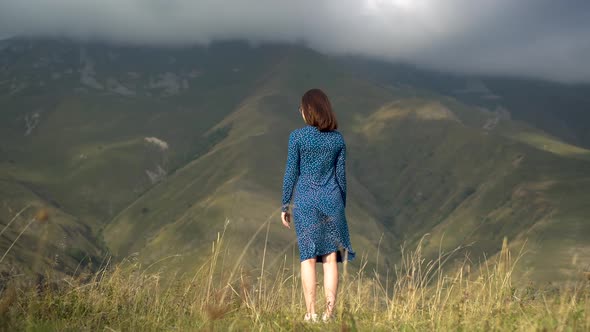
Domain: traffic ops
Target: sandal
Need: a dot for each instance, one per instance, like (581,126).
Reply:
(310,317)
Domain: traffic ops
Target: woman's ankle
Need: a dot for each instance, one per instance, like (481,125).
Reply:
(328,311)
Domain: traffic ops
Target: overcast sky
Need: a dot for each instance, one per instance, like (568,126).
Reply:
(540,38)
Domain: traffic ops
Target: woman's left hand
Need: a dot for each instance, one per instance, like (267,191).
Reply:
(286,218)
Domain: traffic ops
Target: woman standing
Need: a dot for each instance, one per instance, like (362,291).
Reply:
(316,170)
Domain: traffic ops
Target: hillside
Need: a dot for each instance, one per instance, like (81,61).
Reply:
(151,152)
(557,108)
(87,129)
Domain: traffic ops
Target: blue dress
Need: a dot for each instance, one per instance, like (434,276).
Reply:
(316,173)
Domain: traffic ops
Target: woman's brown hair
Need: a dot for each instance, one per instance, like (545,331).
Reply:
(317,110)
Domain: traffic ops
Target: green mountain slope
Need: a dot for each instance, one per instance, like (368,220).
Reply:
(419,164)
(556,108)
(89,128)
(236,181)
(33,243)
(156,151)
(467,185)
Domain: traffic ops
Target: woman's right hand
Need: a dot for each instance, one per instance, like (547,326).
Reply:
(286,218)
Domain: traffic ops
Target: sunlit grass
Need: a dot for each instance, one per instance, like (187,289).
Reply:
(418,294)
(553,145)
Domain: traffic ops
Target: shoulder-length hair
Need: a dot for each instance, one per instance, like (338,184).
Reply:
(317,110)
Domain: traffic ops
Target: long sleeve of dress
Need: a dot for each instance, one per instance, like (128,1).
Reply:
(341,172)
(291,172)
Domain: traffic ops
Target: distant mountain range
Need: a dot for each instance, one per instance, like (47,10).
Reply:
(151,152)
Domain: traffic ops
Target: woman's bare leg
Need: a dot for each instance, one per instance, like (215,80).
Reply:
(308,280)
(330,281)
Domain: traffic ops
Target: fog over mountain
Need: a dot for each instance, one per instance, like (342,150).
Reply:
(532,38)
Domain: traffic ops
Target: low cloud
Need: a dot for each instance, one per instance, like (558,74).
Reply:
(533,38)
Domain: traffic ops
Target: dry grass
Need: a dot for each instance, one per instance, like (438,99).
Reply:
(417,295)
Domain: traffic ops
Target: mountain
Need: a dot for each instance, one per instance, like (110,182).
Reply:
(559,109)
(151,152)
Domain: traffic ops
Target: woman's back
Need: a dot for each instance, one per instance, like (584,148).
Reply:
(319,154)
(316,164)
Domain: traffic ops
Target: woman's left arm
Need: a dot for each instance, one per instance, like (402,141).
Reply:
(291,172)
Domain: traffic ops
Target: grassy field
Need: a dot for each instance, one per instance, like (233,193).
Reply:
(416,295)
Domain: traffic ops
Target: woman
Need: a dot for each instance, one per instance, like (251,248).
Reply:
(316,170)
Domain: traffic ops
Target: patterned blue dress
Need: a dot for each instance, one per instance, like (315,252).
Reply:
(316,173)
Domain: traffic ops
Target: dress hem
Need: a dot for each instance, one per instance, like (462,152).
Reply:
(339,256)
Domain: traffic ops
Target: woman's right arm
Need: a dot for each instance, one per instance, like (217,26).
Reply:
(291,172)
(341,172)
